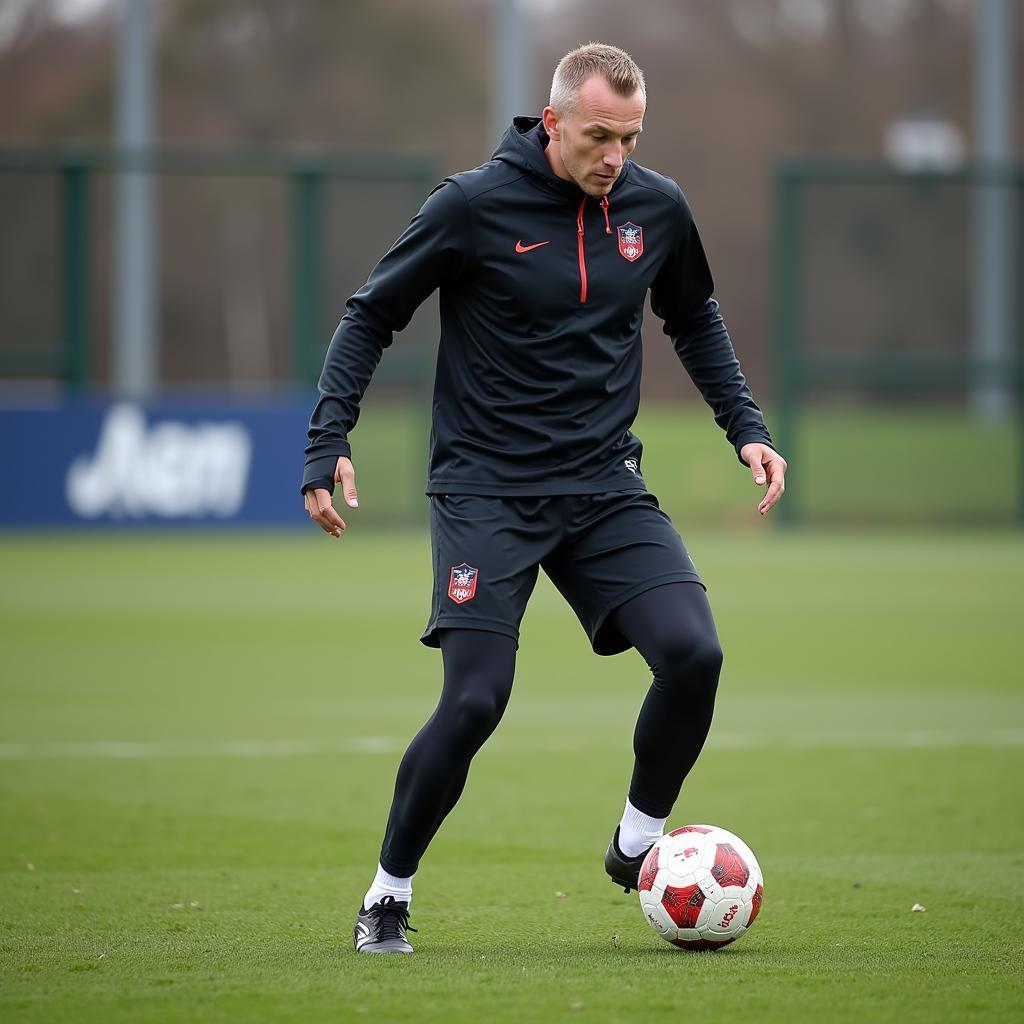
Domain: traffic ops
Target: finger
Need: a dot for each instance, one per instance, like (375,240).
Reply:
(345,474)
(771,498)
(330,520)
(314,513)
(321,511)
(775,491)
(756,468)
(311,507)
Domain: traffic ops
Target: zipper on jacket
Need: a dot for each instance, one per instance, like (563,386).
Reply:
(582,255)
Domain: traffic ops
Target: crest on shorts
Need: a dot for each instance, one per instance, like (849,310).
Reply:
(462,585)
(631,241)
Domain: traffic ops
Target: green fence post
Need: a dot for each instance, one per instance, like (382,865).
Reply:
(307,273)
(75,274)
(1017,360)
(786,342)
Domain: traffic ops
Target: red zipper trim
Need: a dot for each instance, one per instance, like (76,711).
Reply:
(582,255)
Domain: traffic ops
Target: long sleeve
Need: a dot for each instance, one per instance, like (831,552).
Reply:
(433,250)
(681,296)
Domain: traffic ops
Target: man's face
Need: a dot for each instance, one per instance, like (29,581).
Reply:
(595,139)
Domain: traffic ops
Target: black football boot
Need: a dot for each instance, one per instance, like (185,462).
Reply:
(382,928)
(623,870)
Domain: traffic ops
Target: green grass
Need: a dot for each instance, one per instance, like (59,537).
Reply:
(868,745)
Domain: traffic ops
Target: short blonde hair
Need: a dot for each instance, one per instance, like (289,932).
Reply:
(616,66)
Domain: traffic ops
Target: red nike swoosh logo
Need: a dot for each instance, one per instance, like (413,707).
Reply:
(526,248)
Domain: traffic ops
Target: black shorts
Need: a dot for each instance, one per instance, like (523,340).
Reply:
(599,550)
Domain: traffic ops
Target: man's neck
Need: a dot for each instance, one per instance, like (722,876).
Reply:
(553,155)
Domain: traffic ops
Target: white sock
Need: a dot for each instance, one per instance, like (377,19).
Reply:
(638,831)
(388,885)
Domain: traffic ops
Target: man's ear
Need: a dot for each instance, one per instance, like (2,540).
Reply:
(551,123)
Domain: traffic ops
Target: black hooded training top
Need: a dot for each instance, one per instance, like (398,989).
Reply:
(542,293)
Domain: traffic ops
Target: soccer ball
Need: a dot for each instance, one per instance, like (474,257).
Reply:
(700,887)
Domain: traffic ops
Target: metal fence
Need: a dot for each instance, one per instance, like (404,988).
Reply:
(307,178)
(874,298)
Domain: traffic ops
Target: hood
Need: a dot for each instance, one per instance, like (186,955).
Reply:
(523,146)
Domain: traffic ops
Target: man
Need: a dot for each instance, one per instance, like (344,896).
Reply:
(543,257)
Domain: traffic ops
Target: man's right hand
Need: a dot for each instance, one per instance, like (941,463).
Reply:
(318,501)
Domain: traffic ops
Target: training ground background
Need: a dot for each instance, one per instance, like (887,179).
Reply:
(199,734)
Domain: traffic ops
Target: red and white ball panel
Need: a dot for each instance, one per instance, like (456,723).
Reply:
(658,919)
(684,904)
(700,887)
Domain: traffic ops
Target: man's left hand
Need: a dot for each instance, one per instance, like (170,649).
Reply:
(768,467)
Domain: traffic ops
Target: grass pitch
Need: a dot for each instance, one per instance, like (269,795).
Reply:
(198,739)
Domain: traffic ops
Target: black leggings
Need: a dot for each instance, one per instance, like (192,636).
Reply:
(671,626)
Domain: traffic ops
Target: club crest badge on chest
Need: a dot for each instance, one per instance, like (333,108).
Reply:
(631,241)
